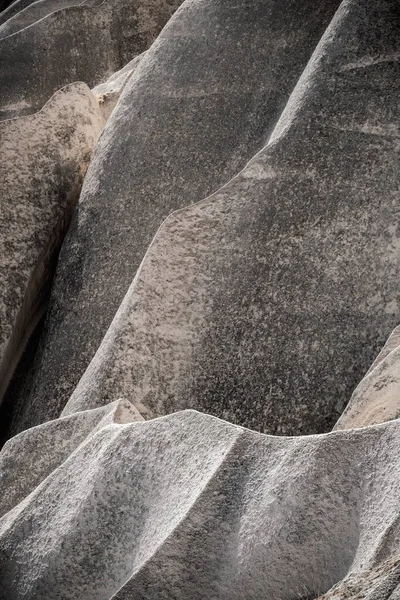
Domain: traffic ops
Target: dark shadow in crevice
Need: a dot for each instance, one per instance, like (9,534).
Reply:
(10,408)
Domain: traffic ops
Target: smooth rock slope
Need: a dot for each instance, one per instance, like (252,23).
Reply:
(188,506)
(265,303)
(202,101)
(253,151)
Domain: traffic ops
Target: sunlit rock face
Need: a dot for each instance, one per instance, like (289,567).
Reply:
(43,159)
(229,275)
(189,506)
(260,304)
(203,100)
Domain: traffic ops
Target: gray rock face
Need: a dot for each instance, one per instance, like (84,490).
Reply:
(34,12)
(188,506)
(43,159)
(203,100)
(83,42)
(13,8)
(260,301)
(264,303)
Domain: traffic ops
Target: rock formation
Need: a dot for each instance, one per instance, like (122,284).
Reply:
(239,306)
(229,273)
(186,123)
(188,506)
(43,159)
(108,93)
(85,42)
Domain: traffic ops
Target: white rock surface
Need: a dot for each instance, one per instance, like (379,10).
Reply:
(191,507)
(43,159)
(377,397)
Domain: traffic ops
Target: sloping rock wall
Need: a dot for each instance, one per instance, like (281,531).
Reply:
(43,159)
(265,303)
(187,121)
(188,506)
(76,43)
(262,299)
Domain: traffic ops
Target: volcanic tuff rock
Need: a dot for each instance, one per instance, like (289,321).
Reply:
(43,159)
(188,506)
(36,11)
(377,397)
(108,93)
(80,42)
(246,305)
(202,101)
(261,300)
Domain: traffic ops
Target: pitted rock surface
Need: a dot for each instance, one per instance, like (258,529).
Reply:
(188,506)
(43,159)
(202,101)
(266,303)
(253,151)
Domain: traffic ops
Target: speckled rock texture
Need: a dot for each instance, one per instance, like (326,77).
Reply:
(253,151)
(108,93)
(43,159)
(202,101)
(81,42)
(377,397)
(34,12)
(265,303)
(14,8)
(191,507)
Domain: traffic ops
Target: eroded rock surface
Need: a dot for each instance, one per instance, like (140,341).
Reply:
(262,300)
(377,397)
(203,100)
(188,506)
(43,159)
(77,43)
(35,12)
(265,303)
(108,93)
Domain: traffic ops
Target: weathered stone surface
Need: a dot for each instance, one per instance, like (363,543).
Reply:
(188,506)
(35,11)
(13,8)
(4,6)
(43,159)
(108,93)
(377,397)
(83,42)
(203,100)
(260,304)
(265,303)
